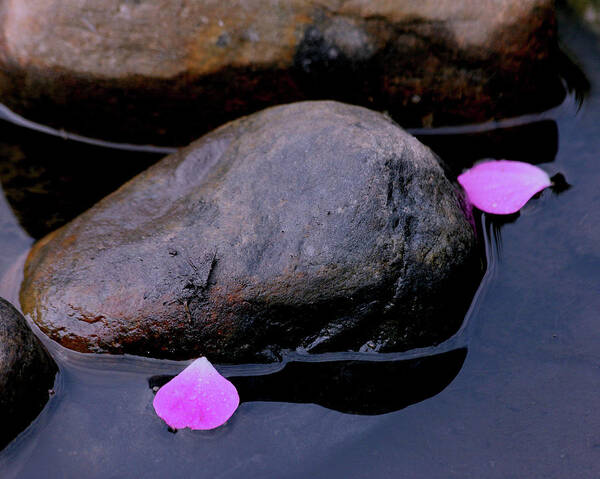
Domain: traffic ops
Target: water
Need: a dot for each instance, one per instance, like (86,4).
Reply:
(516,393)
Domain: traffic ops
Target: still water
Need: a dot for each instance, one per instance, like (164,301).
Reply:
(516,393)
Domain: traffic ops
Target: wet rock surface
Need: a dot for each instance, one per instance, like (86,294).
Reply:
(26,373)
(315,225)
(164,72)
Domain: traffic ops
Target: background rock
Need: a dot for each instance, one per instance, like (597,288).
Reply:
(26,373)
(164,72)
(315,225)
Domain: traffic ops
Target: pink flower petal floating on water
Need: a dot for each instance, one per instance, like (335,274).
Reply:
(503,187)
(198,398)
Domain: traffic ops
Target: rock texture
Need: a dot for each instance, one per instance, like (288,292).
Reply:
(26,373)
(315,225)
(164,72)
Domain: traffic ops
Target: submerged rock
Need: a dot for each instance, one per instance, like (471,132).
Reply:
(26,373)
(162,72)
(314,225)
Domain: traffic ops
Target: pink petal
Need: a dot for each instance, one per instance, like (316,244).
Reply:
(503,187)
(198,398)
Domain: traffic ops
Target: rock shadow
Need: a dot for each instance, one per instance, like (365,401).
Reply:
(353,387)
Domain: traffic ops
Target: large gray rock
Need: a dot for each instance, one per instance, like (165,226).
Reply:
(316,225)
(162,71)
(26,373)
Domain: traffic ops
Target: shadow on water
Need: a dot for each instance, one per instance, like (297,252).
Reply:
(573,75)
(353,387)
(533,143)
(48,180)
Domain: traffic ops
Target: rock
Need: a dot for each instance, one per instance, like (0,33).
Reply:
(164,72)
(26,373)
(314,225)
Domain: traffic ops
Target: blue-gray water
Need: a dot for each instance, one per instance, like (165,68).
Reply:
(525,403)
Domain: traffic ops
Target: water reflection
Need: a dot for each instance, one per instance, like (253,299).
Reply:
(354,387)
(48,180)
(534,143)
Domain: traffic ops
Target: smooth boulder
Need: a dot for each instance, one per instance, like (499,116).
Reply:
(316,225)
(163,72)
(26,373)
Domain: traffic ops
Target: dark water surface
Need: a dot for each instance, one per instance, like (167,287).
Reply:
(515,394)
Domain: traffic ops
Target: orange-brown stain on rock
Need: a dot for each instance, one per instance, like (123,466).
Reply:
(254,38)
